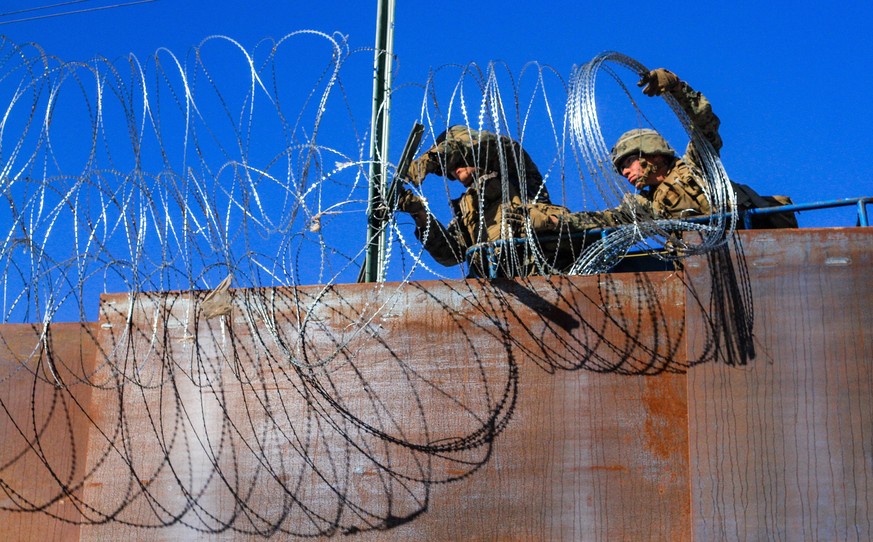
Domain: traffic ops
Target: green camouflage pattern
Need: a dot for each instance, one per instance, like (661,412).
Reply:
(637,142)
(699,111)
(489,210)
(682,192)
(478,216)
(633,207)
(680,195)
(461,146)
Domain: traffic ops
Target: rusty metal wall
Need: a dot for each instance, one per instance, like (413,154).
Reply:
(782,448)
(507,409)
(540,409)
(44,429)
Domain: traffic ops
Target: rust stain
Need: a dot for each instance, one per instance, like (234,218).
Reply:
(666,424)
(608,467)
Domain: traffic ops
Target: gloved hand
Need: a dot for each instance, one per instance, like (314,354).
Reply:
(517,216)
(515,219)
(540,221)
(421,166)
(658,81)
(410,203)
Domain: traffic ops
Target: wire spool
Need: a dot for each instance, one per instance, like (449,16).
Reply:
(587,139)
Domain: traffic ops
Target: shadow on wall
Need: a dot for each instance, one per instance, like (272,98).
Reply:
(323,410)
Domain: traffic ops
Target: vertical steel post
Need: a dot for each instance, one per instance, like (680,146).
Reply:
(384,54)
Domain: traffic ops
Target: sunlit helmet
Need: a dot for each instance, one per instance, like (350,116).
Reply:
(457,151)
(637,142)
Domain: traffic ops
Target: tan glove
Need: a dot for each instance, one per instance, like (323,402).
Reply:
(421,166)
(514,218)
(410,203)
(540,222)
(658,81)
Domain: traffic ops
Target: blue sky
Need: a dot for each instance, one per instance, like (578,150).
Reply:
(790,82)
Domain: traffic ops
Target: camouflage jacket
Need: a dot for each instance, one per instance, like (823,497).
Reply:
(477,218)
(681,194)
(506,178)
(461,146)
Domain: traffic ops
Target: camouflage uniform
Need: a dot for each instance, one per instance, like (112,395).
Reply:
(478,217)
(681,194)
(506,182)
(461,146)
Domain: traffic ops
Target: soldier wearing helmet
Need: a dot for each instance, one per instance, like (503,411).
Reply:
(668,186)
(504,192)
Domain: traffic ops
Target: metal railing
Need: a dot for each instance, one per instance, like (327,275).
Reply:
(490,247)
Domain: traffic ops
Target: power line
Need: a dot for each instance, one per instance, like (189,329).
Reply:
(16,12)
(74,11)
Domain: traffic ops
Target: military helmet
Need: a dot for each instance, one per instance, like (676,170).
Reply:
(639,141)
(456,143)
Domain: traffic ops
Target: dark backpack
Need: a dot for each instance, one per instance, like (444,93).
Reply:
(747,199)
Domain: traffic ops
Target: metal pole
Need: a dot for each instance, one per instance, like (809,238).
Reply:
(384,55)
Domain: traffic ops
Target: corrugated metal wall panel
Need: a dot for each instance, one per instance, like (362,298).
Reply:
(44,429)
(782,449)
(546,408)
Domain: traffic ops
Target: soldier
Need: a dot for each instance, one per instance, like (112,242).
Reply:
(504,192)
(669,186)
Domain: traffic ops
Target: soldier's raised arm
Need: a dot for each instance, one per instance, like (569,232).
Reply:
(694,103)
(451,150)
